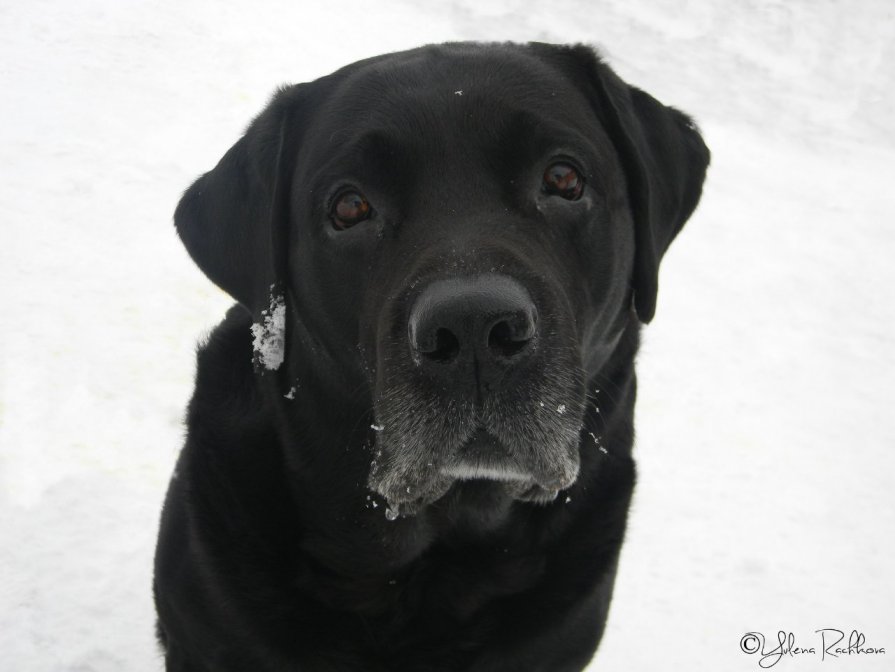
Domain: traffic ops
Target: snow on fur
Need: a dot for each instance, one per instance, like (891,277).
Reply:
(269,342)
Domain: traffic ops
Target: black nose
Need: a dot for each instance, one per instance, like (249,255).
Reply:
(489,321)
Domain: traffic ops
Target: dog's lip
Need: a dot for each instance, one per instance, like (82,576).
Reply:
(484,457)
(468,471)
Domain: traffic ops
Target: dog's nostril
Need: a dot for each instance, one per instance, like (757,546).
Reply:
(508,338)
(445,347)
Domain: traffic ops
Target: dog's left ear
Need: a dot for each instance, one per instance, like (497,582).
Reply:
(664,159)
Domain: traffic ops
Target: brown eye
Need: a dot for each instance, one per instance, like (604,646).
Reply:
(349,209)
(561,179)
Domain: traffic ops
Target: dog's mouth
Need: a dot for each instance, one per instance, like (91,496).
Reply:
(484,458)
(411,479)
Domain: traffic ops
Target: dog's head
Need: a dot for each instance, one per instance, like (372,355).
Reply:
(461,231)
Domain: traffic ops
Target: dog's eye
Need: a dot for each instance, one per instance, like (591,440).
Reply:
(349,209)
(561,179)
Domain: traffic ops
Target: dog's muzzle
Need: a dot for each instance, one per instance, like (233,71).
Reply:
(478,391)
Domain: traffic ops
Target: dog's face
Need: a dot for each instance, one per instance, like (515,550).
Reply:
(460,232)
(478,247)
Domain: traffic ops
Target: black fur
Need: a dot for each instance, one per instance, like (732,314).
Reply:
(274,551)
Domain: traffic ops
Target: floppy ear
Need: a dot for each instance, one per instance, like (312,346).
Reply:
(662,154)
(233,219)
(665,162)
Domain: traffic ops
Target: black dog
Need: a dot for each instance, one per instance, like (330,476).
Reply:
(409,446)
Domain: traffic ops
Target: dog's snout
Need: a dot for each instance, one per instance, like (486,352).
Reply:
(490,320)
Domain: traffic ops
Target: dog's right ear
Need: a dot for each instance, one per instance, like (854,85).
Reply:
(234,219)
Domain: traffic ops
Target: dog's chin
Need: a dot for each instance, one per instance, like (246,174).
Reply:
(481,474)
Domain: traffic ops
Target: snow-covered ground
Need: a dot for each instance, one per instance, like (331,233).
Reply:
(766,427)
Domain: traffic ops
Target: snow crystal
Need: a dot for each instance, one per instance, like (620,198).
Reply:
(291,393)
(269,336)
(458,93)
(377,428)
(561,409)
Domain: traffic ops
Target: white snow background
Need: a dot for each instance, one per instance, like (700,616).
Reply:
(766,426)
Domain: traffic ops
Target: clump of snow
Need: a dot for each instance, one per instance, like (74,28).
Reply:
(269,343)
(377,428)
(391,514)
(290,395)
(561,409)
